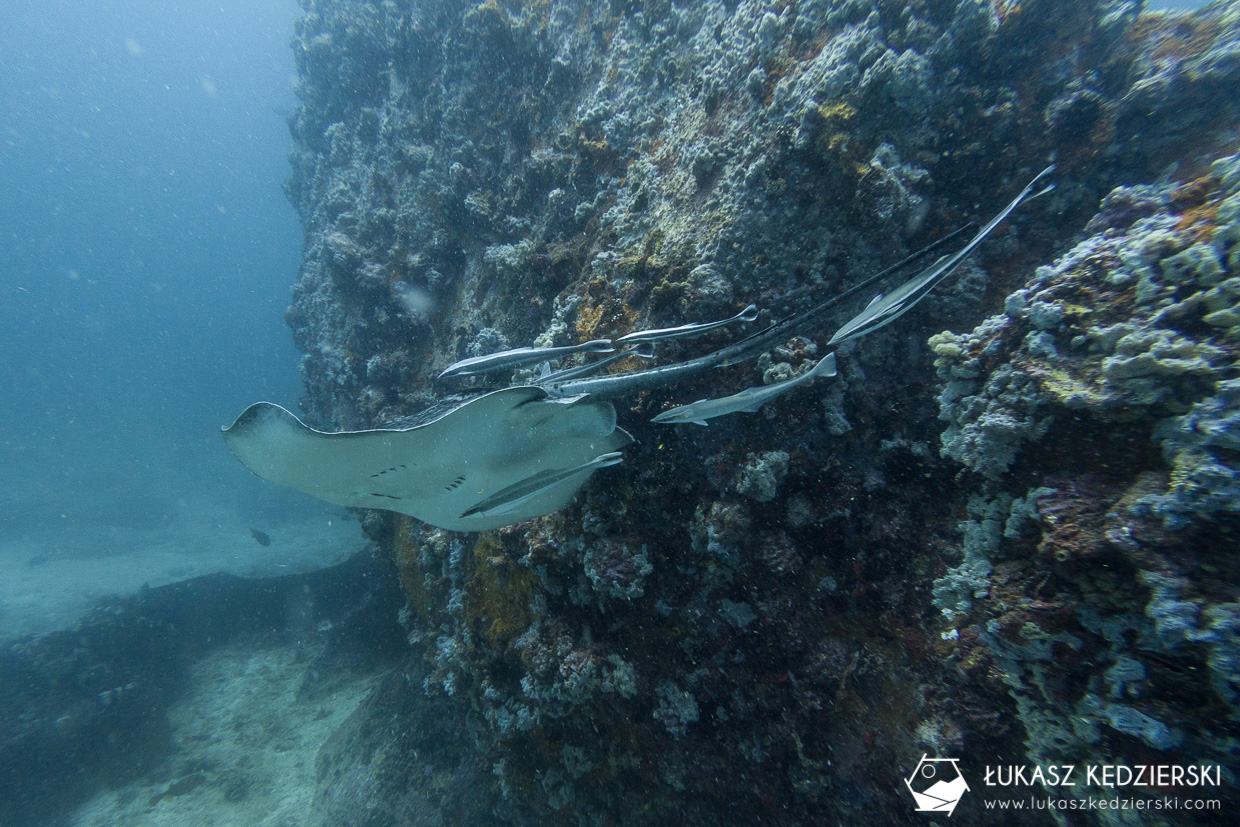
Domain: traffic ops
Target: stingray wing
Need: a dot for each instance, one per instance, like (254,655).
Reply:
(435,471)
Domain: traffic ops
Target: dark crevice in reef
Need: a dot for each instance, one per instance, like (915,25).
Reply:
(1008,543)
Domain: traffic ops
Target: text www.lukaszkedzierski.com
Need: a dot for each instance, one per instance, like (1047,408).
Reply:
(1035,803)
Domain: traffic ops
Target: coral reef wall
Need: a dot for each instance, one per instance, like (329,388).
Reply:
(1009,544)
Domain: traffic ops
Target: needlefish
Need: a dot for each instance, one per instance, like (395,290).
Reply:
(507,359)
(887,307)
(685,331)
(748,400)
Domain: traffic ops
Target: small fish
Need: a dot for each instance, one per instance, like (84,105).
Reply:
(514,495)
(644,350)
(506,359)
(749,314)
(114,695)
(260,536)
(748,400)
(887,307)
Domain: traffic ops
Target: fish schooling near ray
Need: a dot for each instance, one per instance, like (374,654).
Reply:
(688,331)
(509,359)
(493,458)
(642,350)
(886,308)
(621,384)
(748,400)
(509,499)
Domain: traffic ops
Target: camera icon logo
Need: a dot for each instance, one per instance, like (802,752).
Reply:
(937,784)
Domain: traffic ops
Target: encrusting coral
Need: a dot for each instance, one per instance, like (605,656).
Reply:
(1124,379)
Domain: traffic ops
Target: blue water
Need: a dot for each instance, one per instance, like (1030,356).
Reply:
(146,256)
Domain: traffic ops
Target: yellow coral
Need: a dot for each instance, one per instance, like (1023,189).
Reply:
(500,593)
(1062,385)
(838,111)
(603,313)
(588,318)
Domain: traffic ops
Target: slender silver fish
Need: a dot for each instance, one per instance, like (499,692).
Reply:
(620,384)
(506,359)
(748,400)
(644,350)
(749,314)
(514,495)
(886,308)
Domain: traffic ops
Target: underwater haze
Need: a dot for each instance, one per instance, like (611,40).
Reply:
(147,250)
(912,479)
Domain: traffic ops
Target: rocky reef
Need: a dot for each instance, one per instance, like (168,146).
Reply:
(1098,411)
(1012,543)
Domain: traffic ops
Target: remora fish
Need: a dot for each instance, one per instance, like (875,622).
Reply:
(749,314)
(645,351)
(514,495)
(619,384)
(748,400)
(886,308)
(492,362)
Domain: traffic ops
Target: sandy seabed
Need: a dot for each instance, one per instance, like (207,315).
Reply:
(245,745)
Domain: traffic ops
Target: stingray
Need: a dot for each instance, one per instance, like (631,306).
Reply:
(510,455)
(514,444)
